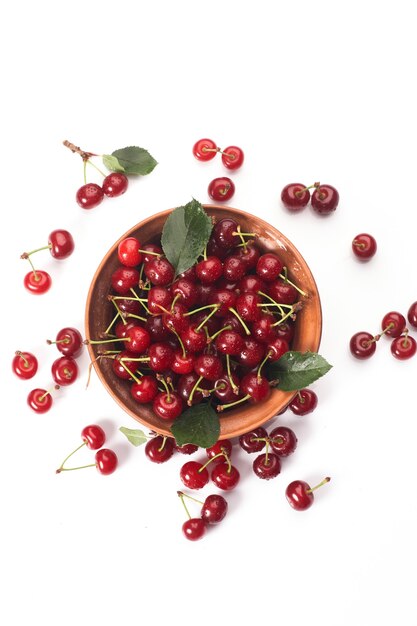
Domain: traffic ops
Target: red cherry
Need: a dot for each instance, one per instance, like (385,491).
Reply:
(25,365)
(138,339)
(204,150)
(225,233)
(364,246)
(325,199)
(223,447)
(159,271)
(209,270)
(68,341)
(305,401)
(124,279)
(267,466)
(300,495)
(254,441)
(64,370)
(145,389)
(412,315)
(61,244)
(37,282)
(159,449)
(128,252)
(39,400)
(269,267)
(186,448)
(93,436)
(232,157)
(193,475)
(106,461)
(89,196)
(221,189)
(362,345)
(393,324)
(167,406)
(214,509)
(283,441)
(295,196)
(194,528)
(115,184)
(403,347)
(225,476)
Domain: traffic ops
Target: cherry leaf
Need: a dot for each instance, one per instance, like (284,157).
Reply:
(112,163)
(136,437)
(296,370)
(185,235)
(199,425)
(130,160)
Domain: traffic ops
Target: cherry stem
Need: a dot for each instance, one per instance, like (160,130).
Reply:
(278,304)
(84,155)
(164,440)
(290,312)
(217,456)
(268,356)
(174,302)
(106,332)
(222,407)
(141,300)
(70,469)
(206,319)
(246,329)
(25,255)
(95,167)
(287,280)
(61,467)
(193,390)
(181,495)
(240,234)
(136,317)
(119,312)
(163,381)
(99,341)
(66,341)
(390,325)
(127,369)
(323,482)
(184,353)
(24,359)
(267,443)
(202,308)
(33,269)
(229,375)
(406,341)
(190,497)
(47,393)
(219,332)
(158,254)
(85,170)
(301,191)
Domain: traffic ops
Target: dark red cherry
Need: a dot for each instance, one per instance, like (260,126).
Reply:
(225,233)
(412,315)
(185,291)
(229,342)
(159,271)
(214,509)
(252,354)
(269,267)
(69,341)
(221,189)
(257,387)
(295,196)
(167,406)
(139,339)
(282,292)
(161,356)
(305,401)
(225,476)
(64,370)
(159,300)
(300,495)
(150,251)
(267,466)
(115,184)
(205,149)
(277,348)
(232,157)
(93,436)
(403,347)
(89,196)
(186,448)
(159,449)
(283,441)
(193,475)
(194,528)
(209,366)
(209,270)
(223,446)
(124,279)
(254,441)
(362,345)
(393,324)
(61,244)
(364,246)
(325,199)
(145,389)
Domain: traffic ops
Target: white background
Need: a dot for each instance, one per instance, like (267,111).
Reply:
(310,91)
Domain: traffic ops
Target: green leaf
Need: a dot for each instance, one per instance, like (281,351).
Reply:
(185,235)
(199,425)
(136,437)
(296,370)
(133,160)
(112,163)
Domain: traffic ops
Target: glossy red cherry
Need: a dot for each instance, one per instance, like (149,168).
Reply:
(251,355)
(214,509)
(61,244)
(282,292)
(208,366)
(393,324)
(68,341)
(167,406)
(93,436)
(89,196)
(221,189)
(276,348)
(159,449)
(254,441)
(225,233)
(139,339)
(267,466)
(283,441)
(124,279)
(362,345)
(129,252)
(37,282)
(24,365)
(186,448)
(403,347)
(115,184)
(300,495)
(106,461)
(229,342)
(232,157)
(64,370)
(205,150)
(209,270)
(225,476)
(194,528)
(295,196)
(182,364)
(412,315)
(364,246)
(325,199)
(194,340)
(255,386)
(40,400)
(194,475)
(269,267)
(223,447)
(145,389)
(184,289)
(159,271)
(248,306)
(305,401)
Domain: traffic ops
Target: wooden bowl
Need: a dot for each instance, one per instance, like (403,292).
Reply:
(100,312)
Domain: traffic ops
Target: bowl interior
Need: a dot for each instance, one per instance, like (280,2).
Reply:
(100,312)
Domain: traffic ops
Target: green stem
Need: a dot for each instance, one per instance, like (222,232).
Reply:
(229,375)
(202,308)
(106,332)
(181,495)
(246,329)
(85,170)
(206,319)
(60,469)
(95,167)
(287,280)
(25,255)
